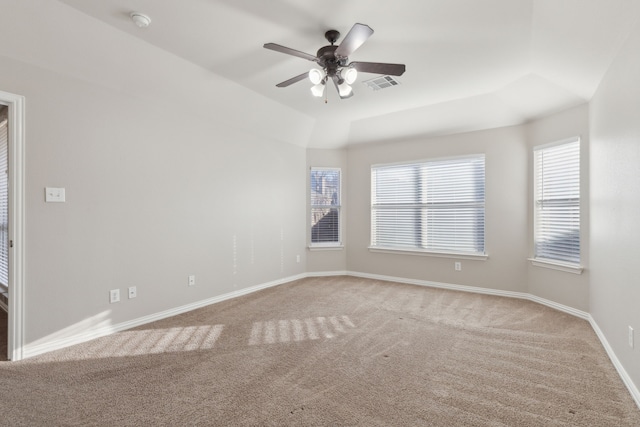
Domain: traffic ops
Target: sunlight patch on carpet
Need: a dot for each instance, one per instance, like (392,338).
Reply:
(295,330)
(156,341)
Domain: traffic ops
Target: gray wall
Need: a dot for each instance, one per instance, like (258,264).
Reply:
(562,287)
(162,181)
(506,209)
(615,204)
(509,228)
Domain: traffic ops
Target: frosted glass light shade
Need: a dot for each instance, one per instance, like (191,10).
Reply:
(350,75)
(315,76)
(317,90)
(344,89)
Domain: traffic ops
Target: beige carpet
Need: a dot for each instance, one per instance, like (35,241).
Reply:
(331,352)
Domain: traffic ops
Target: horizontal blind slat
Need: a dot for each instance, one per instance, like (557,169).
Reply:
(557,192)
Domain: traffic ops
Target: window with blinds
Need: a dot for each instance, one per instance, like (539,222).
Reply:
(325,206)
(557,202)
(432,206)
(4,198)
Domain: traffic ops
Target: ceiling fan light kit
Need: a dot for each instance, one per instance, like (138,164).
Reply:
(350,75)
(318,90)
(334,60)
(315,76)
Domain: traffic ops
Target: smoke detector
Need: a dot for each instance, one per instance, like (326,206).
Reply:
(140,19)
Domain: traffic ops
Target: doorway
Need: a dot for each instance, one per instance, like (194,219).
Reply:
(4,208)
(12,116)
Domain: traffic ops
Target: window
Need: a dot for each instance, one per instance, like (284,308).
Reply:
(325,207)
(557,202)
(433,206)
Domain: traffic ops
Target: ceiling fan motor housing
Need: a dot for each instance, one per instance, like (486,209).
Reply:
(328,60)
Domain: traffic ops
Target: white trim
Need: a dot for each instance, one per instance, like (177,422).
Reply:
(626,379)
(87,335)
(103,331)
(328,274)
(430,159)
(325,245)
(555,265)
(486,291)
(337,247)
(456,255)
(555,143)
(17,145)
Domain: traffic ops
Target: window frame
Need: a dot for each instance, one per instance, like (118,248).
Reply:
(337,245)
(453,253)
(547,262)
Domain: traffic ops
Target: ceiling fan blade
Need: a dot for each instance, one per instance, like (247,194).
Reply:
(290,51)
(293,80)
(335,81)
(379,68)
(357,35)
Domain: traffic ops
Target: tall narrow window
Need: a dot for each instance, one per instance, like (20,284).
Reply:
(433,206)
(557,202)
(325,207)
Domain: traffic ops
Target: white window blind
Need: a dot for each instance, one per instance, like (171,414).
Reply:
(4,199)
(325,206)
(433,206)
(557,202)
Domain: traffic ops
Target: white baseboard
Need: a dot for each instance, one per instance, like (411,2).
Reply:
(34,350)
(485,291)
(93,333)
(328,273)
(626,379)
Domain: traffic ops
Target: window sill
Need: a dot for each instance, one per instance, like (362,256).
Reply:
(326,248)
(556,265)
(453,255)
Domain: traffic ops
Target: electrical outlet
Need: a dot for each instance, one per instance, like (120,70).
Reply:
(114,295)
(297,258)
(630,337)
(458,266)
(192,280)
(133,292)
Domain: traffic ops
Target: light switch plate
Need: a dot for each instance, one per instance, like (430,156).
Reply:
(54,194)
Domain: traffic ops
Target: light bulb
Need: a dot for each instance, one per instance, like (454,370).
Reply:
(344,89)
(315,76)
(317,90)
(349,75)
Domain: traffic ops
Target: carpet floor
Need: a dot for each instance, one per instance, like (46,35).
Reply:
(337,351)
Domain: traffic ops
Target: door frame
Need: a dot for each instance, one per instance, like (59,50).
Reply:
(16,161)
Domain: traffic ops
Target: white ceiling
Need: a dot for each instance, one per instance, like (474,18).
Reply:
(471,64)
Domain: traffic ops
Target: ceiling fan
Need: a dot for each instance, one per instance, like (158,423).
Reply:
(334,60)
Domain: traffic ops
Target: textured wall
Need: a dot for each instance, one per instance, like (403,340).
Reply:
(162,181)
(506,210)
(615,204)
(562,287)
